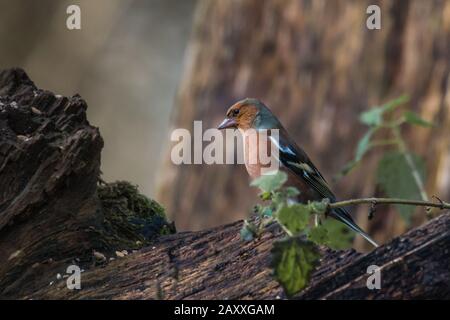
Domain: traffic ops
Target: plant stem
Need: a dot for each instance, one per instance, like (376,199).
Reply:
(441,205)
(286,230)
(379,143)
(411,164)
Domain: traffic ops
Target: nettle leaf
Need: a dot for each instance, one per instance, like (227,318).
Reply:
(339,236)
(395,178)
(291,192)
(318,235)
(391,105)
(248,231)
(293,259)
(270,182)
(295,217)
(265,195)
(414,118)
(364,144)
(372,117)
(278,198)
(266,211)
(319,207)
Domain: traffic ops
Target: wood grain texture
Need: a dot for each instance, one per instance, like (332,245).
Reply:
(216,264)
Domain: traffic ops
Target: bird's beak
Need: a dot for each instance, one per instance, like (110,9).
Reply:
(227,123)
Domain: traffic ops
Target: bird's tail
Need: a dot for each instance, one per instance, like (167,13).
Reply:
(343,216)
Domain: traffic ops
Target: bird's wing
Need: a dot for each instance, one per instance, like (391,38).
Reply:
(295,159)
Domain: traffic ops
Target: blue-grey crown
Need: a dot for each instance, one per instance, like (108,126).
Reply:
(264,118)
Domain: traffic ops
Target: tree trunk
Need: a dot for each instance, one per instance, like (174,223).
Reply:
(317,66)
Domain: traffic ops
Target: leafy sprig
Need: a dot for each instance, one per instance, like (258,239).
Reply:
(400,175)
(295,256)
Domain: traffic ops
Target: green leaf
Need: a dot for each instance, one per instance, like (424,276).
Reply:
(393,104)
(295,217)
(414,118)
(319,207)
(248,231)
(293,259)
(318,235)
(372,117)
(395,178)
(278,199)
(364,144)
(265,195)
(339,236)
(270,182)
(266,211)
(291,192)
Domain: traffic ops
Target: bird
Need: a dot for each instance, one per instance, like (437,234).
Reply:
(251,116)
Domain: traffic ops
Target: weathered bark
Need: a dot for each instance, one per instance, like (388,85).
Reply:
(50,213)
(216,264)
(53,214)
(317,66)
(50,160)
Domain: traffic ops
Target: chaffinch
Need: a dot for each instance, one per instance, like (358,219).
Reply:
(302,173)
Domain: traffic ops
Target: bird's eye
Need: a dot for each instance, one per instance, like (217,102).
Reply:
(235,112)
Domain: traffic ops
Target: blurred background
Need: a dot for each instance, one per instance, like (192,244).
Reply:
(147,67)
(126,62)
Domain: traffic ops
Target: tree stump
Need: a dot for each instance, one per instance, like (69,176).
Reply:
(50,212)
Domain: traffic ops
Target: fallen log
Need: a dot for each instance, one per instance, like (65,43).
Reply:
(53,214)
(216,264)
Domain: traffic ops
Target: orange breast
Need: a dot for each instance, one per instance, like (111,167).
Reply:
(257,154)
(253,144)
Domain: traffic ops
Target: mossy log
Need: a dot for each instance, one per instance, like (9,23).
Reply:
(53,213)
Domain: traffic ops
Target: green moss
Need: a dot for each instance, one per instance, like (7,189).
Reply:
(131,220)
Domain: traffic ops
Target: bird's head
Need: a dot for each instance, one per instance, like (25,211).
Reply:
(249,114)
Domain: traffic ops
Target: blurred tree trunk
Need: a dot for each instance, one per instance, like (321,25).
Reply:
(317,66)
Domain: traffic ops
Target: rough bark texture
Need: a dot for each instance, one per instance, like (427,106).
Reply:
(53,214)
(216,264)
(317,66)
(50,213)
(50,160)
